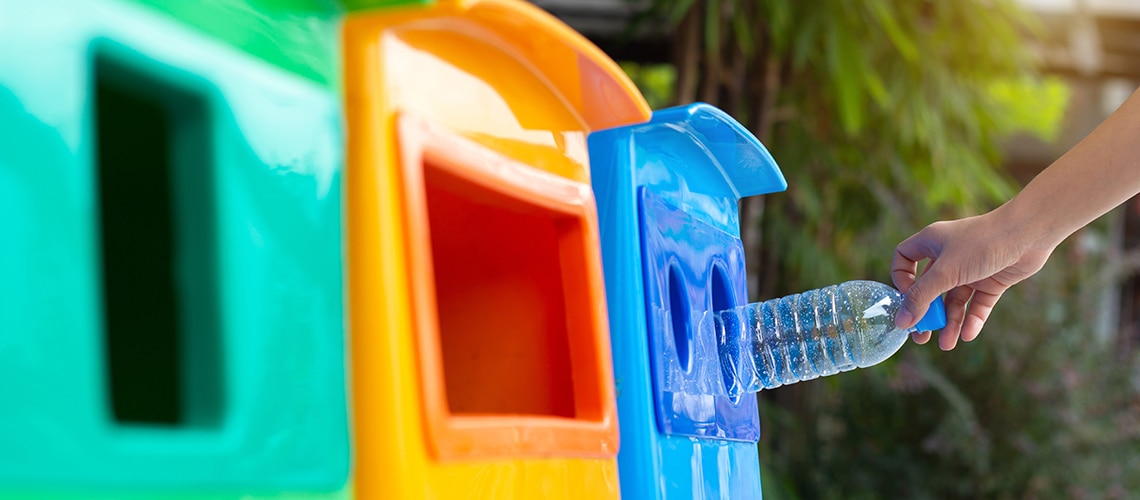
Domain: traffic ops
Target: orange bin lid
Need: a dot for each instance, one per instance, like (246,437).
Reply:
(503,73)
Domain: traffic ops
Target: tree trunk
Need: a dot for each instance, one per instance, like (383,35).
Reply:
(763,88)
(687,56)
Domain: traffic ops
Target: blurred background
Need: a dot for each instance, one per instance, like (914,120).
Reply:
(885,116)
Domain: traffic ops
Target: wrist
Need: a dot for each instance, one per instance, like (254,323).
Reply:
(1030,225)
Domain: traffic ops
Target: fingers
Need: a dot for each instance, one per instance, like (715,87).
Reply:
(919,291)
(916,300)
(956,303)
(921,337)
(904,264)
(904,269)
(925,244)
(980,308)
(967,310)
(955,271)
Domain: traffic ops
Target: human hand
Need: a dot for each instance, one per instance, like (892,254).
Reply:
(974,261)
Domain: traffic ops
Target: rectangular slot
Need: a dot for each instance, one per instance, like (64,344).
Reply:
(676,243)
(501,298)
(156,220)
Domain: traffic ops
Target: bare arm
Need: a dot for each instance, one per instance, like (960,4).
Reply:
(974,260)
(1098,174)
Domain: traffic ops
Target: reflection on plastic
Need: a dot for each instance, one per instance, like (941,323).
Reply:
(723,163)
(704,271)
(667,195)
(533,103)
(271,166)
(812,334)
(517,88)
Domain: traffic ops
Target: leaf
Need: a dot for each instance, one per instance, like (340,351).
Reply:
(891,115)
(846,69)
(777,14)
(675,10)
(889,22)
(803,45)
(746,41)
(875,86)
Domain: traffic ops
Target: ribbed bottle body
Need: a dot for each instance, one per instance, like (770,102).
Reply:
(807,335)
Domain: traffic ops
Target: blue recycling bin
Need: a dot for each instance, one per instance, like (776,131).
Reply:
(667,193)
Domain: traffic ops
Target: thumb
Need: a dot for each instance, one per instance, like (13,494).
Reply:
(916,299)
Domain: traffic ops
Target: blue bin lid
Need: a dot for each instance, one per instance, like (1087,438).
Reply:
(699,159)
(743,161)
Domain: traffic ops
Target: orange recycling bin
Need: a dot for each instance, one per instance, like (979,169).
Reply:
(480,347)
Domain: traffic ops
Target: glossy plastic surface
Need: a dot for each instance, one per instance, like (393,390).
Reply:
(515,87)
(299,36)
(510,315)
(812,334)
(696,162)
(691,270)
(381,4)
(269,144)
(502,73)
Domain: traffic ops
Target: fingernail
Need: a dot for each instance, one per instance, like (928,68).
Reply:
(904,319)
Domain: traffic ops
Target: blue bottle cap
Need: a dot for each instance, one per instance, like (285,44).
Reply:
(935,318)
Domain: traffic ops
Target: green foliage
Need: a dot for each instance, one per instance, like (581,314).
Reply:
(890,125)
(1032,105)
(655,81)
(1035,408)
(886,115)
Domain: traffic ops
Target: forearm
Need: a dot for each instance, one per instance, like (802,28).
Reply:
(1097,175)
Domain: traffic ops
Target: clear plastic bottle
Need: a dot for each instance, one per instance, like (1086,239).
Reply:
(811,334)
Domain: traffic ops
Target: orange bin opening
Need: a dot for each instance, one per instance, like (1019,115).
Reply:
(500,300)
(509,303)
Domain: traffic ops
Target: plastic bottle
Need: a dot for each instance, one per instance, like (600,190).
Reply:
(811,334)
